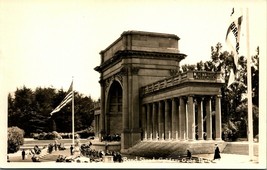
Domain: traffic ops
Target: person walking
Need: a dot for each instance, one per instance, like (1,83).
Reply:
(189,154)
(217,153)
(23,154)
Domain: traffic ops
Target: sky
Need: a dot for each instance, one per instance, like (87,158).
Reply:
(45,43)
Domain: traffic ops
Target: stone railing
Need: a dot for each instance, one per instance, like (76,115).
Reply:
(189,76)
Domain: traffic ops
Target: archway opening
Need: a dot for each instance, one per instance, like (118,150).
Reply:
(114,114)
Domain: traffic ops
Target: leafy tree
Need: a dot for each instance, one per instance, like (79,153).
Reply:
(14,139)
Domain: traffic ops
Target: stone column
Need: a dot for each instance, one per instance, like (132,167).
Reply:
(125,110)
(174,128)
(200,118)
(191,118)
(149,123)
(167,120)
(218,118)
(143,120)
(182,119)
(134,106)
(208,119)
(96,126)
(160,120)
(102,113)
(186,119)
(154,121)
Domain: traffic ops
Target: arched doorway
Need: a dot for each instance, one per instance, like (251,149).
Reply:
(114,109)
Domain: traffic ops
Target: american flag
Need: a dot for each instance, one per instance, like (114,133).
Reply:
(65,101)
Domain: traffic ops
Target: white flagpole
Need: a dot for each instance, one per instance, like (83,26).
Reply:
(72,113)
(249,93)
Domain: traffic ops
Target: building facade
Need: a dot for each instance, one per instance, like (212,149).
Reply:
(145,97)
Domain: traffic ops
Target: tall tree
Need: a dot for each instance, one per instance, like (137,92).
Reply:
(30,110)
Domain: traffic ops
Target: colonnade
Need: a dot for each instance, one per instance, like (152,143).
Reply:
(178,118)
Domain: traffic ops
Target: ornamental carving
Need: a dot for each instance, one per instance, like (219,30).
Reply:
(124,71)
(109,80)
(134,70)
(173,72)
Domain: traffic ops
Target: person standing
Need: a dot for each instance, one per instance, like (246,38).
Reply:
(217,153)
(71,149)
(23,154)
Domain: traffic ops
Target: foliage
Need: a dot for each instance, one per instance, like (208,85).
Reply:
(85,133)
(33,109)
(48,136)
(15,139)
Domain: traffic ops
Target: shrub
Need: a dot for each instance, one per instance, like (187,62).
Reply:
(15,139)
(56,135)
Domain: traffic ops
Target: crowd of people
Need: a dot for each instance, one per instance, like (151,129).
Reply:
(55,147)
(97,156)
(110,138)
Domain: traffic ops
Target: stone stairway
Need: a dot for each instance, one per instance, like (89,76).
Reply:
(172,148)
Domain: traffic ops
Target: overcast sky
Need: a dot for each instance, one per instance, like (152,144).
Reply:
(44,43)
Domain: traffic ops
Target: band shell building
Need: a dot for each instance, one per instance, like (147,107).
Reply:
(144,96)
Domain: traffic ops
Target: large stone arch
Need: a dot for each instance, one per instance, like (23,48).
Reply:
(114,108)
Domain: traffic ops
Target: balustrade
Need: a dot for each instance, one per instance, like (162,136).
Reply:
(190,76)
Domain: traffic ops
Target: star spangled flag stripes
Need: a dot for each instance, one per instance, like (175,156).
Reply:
(65,101)
(233,37)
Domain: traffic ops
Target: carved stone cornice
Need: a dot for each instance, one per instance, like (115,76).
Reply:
(119,55)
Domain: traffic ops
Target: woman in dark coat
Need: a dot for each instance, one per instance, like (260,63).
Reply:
(217,152)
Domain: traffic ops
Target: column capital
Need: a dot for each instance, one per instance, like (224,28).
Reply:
(174,99)
(208,97)
(190,95)
(166,100)
(200,99)
(134,70)
(124,71)
(219,96)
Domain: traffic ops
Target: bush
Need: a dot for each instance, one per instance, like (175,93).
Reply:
(47,136)
(230,131)
(56,135)
(15,139)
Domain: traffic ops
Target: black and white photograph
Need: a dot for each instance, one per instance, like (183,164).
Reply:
(133,84)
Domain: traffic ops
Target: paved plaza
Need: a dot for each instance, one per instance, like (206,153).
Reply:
(198,161)
(225,158)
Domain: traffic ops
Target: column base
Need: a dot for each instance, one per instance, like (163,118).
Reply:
(218,139)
